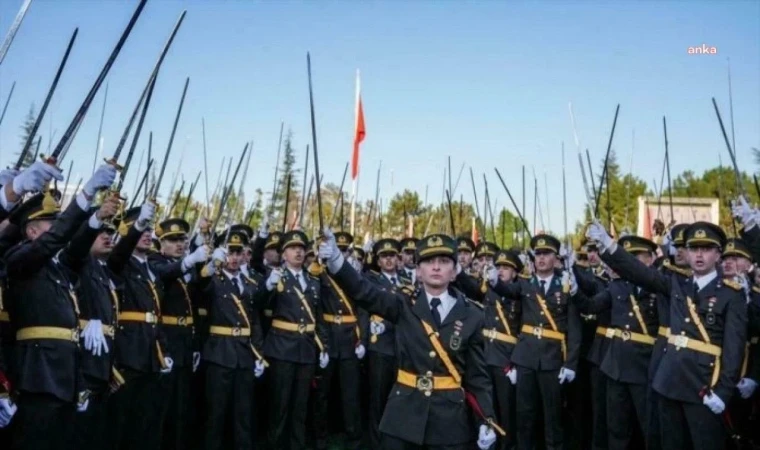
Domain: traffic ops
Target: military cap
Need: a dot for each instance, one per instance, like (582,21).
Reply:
(637,244)
(310,249)
(235,239)
(172,228)
(508,258)
(155,246)
(704,234)
(465,244)
(273,241)
(486,249)
(384,246)
(294,238)
(545,242)
(128,218)
(676,234)
(737,247)
(344,240)
(359,253)
(245,229)
(409,244)
(436,245)
(41,206)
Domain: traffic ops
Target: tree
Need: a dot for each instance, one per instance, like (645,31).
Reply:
(26,131)
(287,169)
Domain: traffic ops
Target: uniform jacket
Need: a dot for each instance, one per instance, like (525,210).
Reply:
(343,338)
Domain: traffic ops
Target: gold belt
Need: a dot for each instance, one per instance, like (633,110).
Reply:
(539,332)
(664,332)
(338,319)
(229,331)
(635,337)
(180,321)
(4,317)
(203,312)
(494,335)
(108,330)
(426,383)
(61,334)
(135,316)
(681,341)
(602,331)
(289,326)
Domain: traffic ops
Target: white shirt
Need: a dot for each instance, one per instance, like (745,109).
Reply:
(548,282)
(232,277)
(704,280)
(145,261)
(447,303)
(299,276)
(412,274)
(393,278)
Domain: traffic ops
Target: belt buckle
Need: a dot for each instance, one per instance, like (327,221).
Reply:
(425,384)
(681,341)
(610,333)
(236,332)
(625,335)
(538,332)
(150,317)
(339,319)
(302,328)
(182,321)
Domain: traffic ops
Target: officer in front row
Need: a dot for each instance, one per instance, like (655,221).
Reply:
(440,351)
(708,329)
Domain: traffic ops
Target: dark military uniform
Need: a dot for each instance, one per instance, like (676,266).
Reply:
(550,340)
(230,354)
(298,333)
(44,311)
(136,410)
(708,329)
(428,407)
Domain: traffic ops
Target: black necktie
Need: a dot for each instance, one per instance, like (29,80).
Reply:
(543,287)
(298,280)
(696,287)
(393,281)
(236,282)
(435,302)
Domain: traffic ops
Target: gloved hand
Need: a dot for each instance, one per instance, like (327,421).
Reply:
(512,375)
(741,210)
(568,279)
(486,437)
(744,283)
(7,176)
(258,368)
(566,375)
(360,351)
(714,402)
(746,387)
(324,360)
(368,244)
(147,212)
(274,278)
(169,363)
(84,401)
(377,328)
(94,340)
(199,240)
(355,263)
(598,234)
(219,254)
(7,410)
(35,177)
(196,361)
(493,275)
(101,179)
(264,228)
(329,251)
(200,255)
(562,251)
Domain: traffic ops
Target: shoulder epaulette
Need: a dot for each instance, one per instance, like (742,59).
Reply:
(673,268)
(250,280)
(525,276)
(478,304)
(732,284)
(583,264)
(407,289)
(756,289)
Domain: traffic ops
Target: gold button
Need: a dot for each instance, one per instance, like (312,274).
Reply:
(683,333)
(429,374)
(432,354)
(687,320)
(428,393)
(542,313)
(630,314)
(627,327)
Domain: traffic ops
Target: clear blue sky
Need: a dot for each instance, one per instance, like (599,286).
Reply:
(485,82)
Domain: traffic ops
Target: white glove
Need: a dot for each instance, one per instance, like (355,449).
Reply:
(486,437)
(377,328)
(746,387)
(566,375)
(512,375)
(82,406)
(360,351)
(199,240)
(493,275)
(568,279)
(367,247)
(196,361)
(200,255)
(324,360)
(562,250)
(35,177)
(741,210)
(598,234)
(147,212)
(7,176)
(264,228)
(329,251)
(219,254)
(169,363)
(94,340)
(355,264)
(101,179)
(7,410)
(258,368)
(274,278)
(714,402)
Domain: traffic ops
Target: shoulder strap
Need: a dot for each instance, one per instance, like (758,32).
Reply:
(433,336)
(307,307)
(636,310)
(344,300)
(547,313)
(243,313)
(503,319)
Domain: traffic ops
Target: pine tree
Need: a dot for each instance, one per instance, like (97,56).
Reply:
(287,169)
(26,131)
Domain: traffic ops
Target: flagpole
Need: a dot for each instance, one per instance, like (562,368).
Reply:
(354,172)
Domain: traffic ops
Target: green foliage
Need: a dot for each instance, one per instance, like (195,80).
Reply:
(26,131)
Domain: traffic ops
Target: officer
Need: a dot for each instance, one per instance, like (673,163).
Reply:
(408,264)
(708,328)
(440,347)
(465,247)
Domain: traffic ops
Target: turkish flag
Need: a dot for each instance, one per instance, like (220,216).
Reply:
(359,131)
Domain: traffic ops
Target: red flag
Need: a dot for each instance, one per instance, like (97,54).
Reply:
(359,131)
(647,223)
(474,236)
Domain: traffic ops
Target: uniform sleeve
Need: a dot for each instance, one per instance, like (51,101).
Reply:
(510,291)
(76,253)
(322,327)
(587,282)
(165,269)
(593,305)
(123,249)
(633,270)
(734,341)
(370,297)
(477,382)
(470,286)
(574,333)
